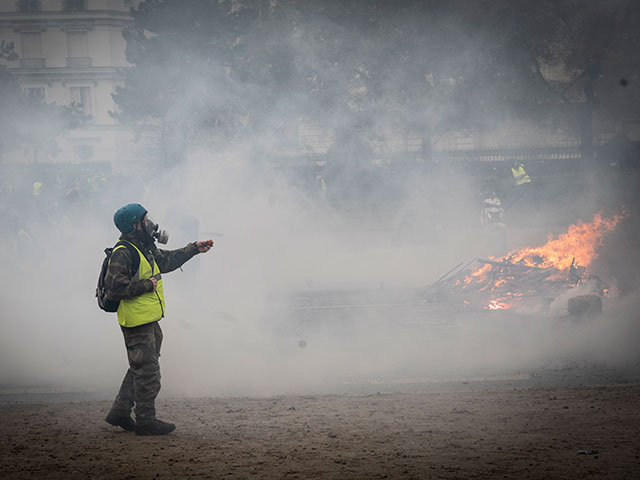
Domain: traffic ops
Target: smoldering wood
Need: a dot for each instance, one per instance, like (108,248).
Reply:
(505,282)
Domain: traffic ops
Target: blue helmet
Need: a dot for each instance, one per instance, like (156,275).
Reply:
(126,216)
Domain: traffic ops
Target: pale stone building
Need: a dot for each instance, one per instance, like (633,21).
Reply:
(71,51)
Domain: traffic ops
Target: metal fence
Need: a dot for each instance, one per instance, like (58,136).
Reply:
(502,154)
(452,156)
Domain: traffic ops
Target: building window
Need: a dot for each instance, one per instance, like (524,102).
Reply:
(78,48)
(29,5)
(31,50)
(81,96)
(75,5)
(31,44)
(34,92)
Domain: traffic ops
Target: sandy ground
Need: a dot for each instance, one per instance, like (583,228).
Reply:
(474,431)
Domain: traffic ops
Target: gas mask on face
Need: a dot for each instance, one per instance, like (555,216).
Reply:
(160,236)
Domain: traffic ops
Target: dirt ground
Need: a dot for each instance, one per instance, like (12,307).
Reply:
(473,432)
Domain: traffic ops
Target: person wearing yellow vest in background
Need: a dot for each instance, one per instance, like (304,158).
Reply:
(134,277)
(37,188)
(520,174)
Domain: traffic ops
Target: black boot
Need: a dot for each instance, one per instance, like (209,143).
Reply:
(155,427)
(121,421)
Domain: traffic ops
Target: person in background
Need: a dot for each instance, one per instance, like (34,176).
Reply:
(523,195)
(134,278)
(520,174)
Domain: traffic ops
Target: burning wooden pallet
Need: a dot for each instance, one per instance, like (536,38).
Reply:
(528,276)
(500,284)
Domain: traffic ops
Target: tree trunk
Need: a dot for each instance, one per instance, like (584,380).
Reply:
(163,141)
(425,138)
(585,119)
(585,113)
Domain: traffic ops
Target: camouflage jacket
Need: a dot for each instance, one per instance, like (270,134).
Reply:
(118,279)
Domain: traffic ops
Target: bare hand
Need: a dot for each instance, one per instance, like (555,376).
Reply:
(204,246)
(155,283)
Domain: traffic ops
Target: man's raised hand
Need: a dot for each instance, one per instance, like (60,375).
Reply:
(204,246)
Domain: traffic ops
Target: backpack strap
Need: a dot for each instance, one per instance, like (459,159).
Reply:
(135,256)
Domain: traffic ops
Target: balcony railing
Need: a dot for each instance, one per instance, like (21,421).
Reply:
(75,5)
(32,62)
(28,5)
(78,62)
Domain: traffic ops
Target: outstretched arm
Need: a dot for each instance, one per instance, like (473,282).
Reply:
(170,260)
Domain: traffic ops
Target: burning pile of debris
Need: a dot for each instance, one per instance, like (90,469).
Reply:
(529,277)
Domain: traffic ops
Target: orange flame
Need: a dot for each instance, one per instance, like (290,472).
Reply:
(478,275)
(580,243)
(578,246)
(497,305)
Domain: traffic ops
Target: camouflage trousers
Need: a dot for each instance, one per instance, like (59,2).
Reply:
(141,383)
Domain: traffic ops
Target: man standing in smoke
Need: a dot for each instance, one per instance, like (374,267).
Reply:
(134,278)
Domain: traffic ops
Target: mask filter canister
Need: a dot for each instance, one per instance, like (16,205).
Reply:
(161,236)
(152,228)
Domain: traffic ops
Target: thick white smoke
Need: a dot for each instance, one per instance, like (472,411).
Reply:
(296,294)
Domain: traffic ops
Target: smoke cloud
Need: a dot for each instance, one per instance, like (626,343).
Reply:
(304,289)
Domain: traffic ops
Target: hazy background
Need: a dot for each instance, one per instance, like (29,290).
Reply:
(232,323)
(252,316)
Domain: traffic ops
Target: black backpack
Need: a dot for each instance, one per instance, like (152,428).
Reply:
(101,292)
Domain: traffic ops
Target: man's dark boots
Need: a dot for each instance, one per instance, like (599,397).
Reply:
(154,427)
(123,421)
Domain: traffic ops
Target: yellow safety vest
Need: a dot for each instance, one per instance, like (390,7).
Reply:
(37,188)
(520,175)
(145,308)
